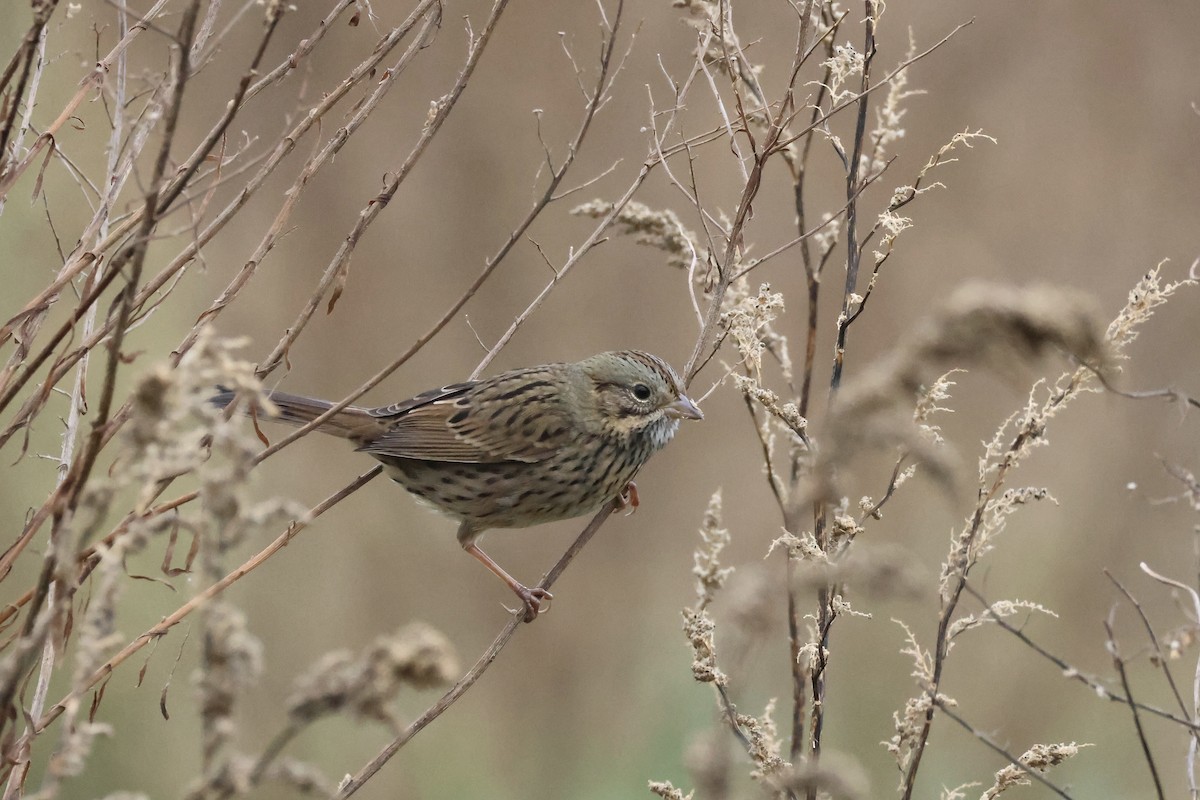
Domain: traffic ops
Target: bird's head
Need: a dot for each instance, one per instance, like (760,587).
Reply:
(636,393)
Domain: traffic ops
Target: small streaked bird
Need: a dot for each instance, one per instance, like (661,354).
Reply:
(520,448)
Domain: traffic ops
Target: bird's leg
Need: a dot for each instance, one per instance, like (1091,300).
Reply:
(628,498)
(532,598)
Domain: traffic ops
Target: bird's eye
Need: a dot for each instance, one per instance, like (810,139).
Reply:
(641,391)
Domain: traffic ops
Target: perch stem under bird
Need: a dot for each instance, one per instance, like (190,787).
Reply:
(520,448)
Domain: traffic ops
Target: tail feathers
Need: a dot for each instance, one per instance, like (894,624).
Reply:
(352,422)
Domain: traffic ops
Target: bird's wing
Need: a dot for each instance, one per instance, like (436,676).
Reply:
(518,416)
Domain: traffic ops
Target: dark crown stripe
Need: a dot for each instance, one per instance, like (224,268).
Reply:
(658,365)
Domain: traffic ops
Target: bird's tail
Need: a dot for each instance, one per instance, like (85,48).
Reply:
(351,423)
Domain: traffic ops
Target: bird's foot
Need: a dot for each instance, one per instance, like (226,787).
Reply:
(627,500)
(536,600)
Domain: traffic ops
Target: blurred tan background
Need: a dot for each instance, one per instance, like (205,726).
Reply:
(1092,181)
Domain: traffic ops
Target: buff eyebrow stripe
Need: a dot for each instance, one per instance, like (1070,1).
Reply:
(520,390)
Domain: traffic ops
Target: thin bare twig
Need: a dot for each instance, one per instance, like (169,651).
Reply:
(353,784)
(1119,665)
(68,494)
(1016,762)
(159,630)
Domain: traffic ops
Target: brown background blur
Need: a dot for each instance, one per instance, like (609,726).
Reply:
(1093,180)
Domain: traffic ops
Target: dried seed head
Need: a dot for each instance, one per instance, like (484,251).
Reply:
(417,655)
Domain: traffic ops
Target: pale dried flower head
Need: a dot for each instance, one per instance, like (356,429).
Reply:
(1040,757)
(998,327)
(1148,294)
(828,235)
(417,655)
(1000,609)
(889,116)
(746,316)
(720,47)
(660,229)
(699,629)
(908,725)
(844,64)
(172,416)
(710,575)
(965,138)
(787,413)
(803,547)
(765,745)
(976,538)
(929,403)
(667,791)
(958,792)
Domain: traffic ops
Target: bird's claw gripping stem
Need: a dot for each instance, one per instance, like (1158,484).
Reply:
(536,600)
(628,498)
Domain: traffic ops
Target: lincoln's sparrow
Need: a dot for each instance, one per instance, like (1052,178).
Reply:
(520,448)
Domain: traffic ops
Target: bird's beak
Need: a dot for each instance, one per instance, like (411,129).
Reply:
(683,408)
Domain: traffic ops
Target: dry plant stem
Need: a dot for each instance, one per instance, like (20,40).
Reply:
(20,769)
(30,315)
(729,712)
(491,264)
(1169,393)
(816,678)
(812,277)
(795,642)
(25,415)
(87,87)
(754,264)
(825,613)
(336,270)
(874,510)
(74,418)
(1162,662)
(38,56)
(959,582)
(762,152)
(83,258)
(1119,665)
(557,176)
(559,274)
(884,81)
(1093,685)
(987,740)
(352,785)
(136,257)
(68,493)
(853,254)
(1194,742)
(1154,641)
(185,173)
(200,599)
(150,216)
(25,57)
(87,557)
(34,364)
(325,155)
(216,707)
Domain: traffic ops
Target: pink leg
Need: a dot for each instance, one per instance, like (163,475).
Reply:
(532,598)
